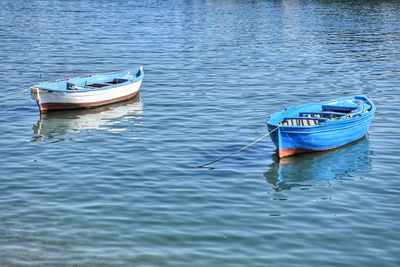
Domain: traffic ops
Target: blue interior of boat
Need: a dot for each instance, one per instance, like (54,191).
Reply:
(93,82)
(339,108)
(305,118)
(323,114)
(316,114)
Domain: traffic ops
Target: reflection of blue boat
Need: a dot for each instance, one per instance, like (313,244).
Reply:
(323,126)
(328,165)
(58,123)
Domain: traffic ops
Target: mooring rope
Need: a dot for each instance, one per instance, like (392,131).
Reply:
(241,149)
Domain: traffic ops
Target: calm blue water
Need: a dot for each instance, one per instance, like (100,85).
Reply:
(117,186)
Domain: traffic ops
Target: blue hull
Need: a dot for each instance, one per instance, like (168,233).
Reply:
(346,127)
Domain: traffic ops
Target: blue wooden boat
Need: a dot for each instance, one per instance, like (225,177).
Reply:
(319,127)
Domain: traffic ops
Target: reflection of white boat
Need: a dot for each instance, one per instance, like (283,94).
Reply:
(57,123)
(335,164)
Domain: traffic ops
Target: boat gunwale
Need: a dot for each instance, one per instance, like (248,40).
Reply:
(314,129)
(341,121)
(85,90)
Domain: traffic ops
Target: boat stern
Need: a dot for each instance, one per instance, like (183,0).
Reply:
(35,95)
(274,133)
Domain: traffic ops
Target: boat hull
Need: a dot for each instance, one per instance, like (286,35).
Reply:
(55,100)
(295,140)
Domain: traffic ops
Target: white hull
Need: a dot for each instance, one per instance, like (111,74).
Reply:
(49,100)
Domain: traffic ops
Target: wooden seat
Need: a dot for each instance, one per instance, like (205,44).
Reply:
(302,121)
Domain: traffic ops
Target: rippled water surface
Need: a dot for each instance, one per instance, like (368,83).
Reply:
(117,185)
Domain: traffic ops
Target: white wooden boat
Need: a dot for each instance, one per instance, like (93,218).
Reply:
(87,91)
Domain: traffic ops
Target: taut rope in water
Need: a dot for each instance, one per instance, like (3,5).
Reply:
(241,149)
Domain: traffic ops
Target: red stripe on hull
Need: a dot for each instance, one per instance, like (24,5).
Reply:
(44,107)
(286,152)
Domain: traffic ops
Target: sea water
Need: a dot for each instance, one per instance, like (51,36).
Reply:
(119,185)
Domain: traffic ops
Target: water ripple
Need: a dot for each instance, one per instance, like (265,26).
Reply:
(118,185)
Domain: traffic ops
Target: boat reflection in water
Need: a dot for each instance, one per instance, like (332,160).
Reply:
(57,125)
(303,169)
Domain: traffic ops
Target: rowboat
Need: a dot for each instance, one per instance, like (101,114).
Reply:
(322,126)
(87,91)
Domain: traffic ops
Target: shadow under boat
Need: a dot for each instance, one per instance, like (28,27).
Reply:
(304,169)
(57,123)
